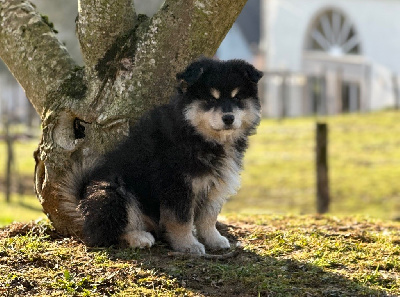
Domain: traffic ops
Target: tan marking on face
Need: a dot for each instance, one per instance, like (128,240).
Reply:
(234,92)
(210,125)
(201,121)
(215,93)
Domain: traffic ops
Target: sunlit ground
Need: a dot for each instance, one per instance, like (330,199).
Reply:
(21,209)
(279,174)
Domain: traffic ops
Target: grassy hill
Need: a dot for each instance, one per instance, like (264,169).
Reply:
(278,256)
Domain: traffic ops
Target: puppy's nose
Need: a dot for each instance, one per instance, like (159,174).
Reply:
(228,119)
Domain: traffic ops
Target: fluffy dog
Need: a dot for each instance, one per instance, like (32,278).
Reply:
(180,163)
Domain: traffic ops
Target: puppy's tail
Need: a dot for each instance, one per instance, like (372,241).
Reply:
(71,187)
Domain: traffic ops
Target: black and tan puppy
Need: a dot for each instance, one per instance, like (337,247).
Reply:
(180,163)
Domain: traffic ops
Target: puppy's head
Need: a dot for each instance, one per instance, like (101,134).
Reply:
(220,98)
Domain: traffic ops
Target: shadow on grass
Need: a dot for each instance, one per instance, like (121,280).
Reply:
(152,272)
(246,273)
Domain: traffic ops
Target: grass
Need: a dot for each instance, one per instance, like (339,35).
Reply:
(278,256)
(23,156)
(21,209)
(364,164)
(25,206)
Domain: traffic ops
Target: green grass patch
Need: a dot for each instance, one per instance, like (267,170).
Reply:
(23,157)
(24,206)
(364,160)
(20,209)
(278,256)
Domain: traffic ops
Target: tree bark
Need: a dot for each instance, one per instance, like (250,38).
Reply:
(130,65)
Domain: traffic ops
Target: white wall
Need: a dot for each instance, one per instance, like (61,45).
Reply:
(381,88)
(376,21)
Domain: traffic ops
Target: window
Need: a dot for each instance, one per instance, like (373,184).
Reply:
(334,34)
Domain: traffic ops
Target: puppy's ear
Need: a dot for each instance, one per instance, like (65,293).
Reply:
(191,74)
(252,73)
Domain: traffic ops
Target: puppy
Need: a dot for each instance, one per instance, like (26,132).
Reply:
(176,169)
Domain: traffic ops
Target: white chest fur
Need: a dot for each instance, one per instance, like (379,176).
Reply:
(222,182)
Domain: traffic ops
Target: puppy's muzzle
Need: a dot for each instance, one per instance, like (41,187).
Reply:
(228,119)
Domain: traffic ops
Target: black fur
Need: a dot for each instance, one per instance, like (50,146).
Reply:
(154,168)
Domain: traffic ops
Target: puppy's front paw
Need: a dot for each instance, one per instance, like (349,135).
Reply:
(193,247)
(217,242)
(139,239)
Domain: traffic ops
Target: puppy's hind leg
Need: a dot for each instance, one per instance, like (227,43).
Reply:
(135,233)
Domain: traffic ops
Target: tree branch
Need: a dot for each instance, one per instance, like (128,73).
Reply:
(99,25)
(180,32)
(32,52)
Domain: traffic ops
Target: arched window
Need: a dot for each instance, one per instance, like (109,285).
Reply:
(333,33)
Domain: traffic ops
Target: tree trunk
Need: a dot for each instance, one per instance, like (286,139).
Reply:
(130,65)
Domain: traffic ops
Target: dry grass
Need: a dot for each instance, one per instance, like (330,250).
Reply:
(279,256)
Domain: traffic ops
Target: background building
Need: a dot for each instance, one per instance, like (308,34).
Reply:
(327,57)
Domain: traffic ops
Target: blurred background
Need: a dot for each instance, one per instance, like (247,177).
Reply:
(336,62)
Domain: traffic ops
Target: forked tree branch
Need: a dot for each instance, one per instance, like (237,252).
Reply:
(32,52)
(142,76)
(179,32)
(100,24)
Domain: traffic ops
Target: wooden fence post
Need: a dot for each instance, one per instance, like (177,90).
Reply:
(322,177)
